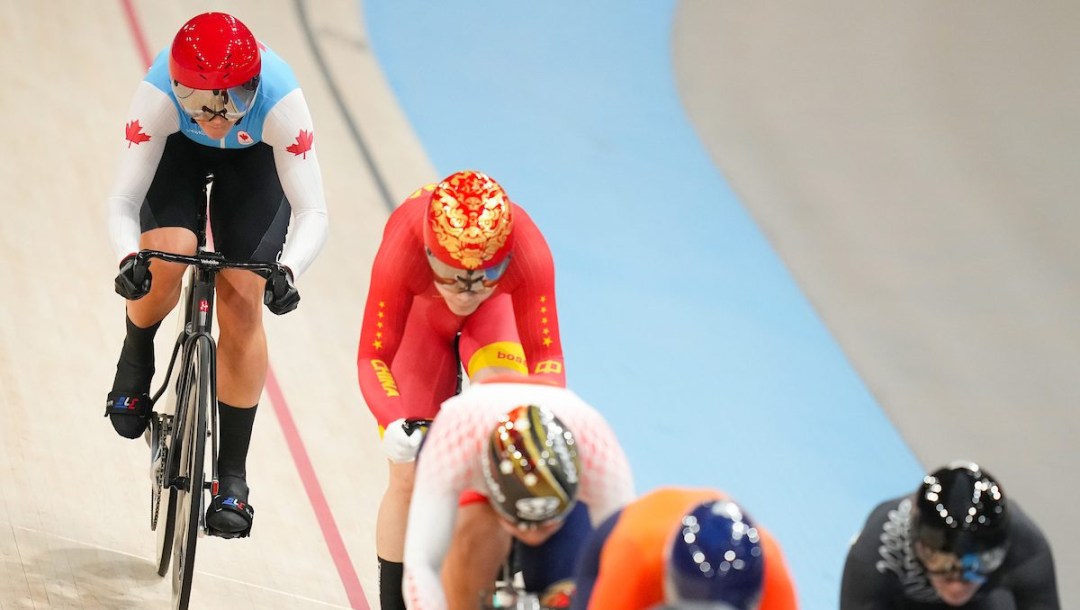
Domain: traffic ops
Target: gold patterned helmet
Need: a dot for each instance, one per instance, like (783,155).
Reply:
(470,222)
(531,467)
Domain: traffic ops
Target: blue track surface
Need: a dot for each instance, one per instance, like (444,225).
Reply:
(678,319)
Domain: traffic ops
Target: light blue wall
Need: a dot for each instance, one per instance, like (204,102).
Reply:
(678,319)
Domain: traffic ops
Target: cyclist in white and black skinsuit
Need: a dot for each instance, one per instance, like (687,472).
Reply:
(215,102)
(956,543)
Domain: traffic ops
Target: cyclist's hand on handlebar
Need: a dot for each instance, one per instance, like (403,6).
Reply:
(401,442)
(133,281)
(558,595)
(281,295)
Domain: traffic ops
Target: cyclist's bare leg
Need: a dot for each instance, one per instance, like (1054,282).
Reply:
(242,363)
(135,367)
(477,552)
(390,533)
(242,358)
(394,512)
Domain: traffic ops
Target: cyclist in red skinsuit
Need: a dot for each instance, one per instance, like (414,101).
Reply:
(463,277)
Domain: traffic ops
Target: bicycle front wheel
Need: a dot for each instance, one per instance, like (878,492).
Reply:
(196,404)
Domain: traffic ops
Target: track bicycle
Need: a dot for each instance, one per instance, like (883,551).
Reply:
(185,424)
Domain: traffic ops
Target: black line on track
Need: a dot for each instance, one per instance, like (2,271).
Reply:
(358,138)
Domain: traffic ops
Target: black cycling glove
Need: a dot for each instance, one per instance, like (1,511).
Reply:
(133,281)
(281,295)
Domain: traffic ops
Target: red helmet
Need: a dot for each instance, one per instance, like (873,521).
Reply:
(214,51)
(469,222)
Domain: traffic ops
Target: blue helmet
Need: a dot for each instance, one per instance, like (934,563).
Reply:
(716,558)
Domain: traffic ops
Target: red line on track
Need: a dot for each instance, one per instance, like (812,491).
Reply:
(137,32)
(336,545)
(330,532)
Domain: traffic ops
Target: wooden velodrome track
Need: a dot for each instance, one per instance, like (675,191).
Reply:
(958,309)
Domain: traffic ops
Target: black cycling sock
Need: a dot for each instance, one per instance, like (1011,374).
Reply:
(134,374)
(234,427)
(135,368)
(391,574)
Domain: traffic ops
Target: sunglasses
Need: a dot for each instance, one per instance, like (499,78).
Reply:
(466,280)
(971,567)
(204,104)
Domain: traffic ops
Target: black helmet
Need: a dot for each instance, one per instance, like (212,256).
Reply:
(960,521)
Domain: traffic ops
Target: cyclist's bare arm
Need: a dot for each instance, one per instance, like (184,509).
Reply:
(432,512)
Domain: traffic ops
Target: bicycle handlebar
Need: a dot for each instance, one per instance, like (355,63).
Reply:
(413,424)
(210,260)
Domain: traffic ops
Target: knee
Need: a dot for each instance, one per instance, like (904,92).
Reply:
(167,276)
(169,239)
(239,303)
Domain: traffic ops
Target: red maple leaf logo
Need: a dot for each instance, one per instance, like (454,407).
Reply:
(133,133)
(302,144)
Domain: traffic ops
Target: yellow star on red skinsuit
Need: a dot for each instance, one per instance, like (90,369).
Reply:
(543,309)
(378,335)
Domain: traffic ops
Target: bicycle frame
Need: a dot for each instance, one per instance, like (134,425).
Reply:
(192,421)
(198,323)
